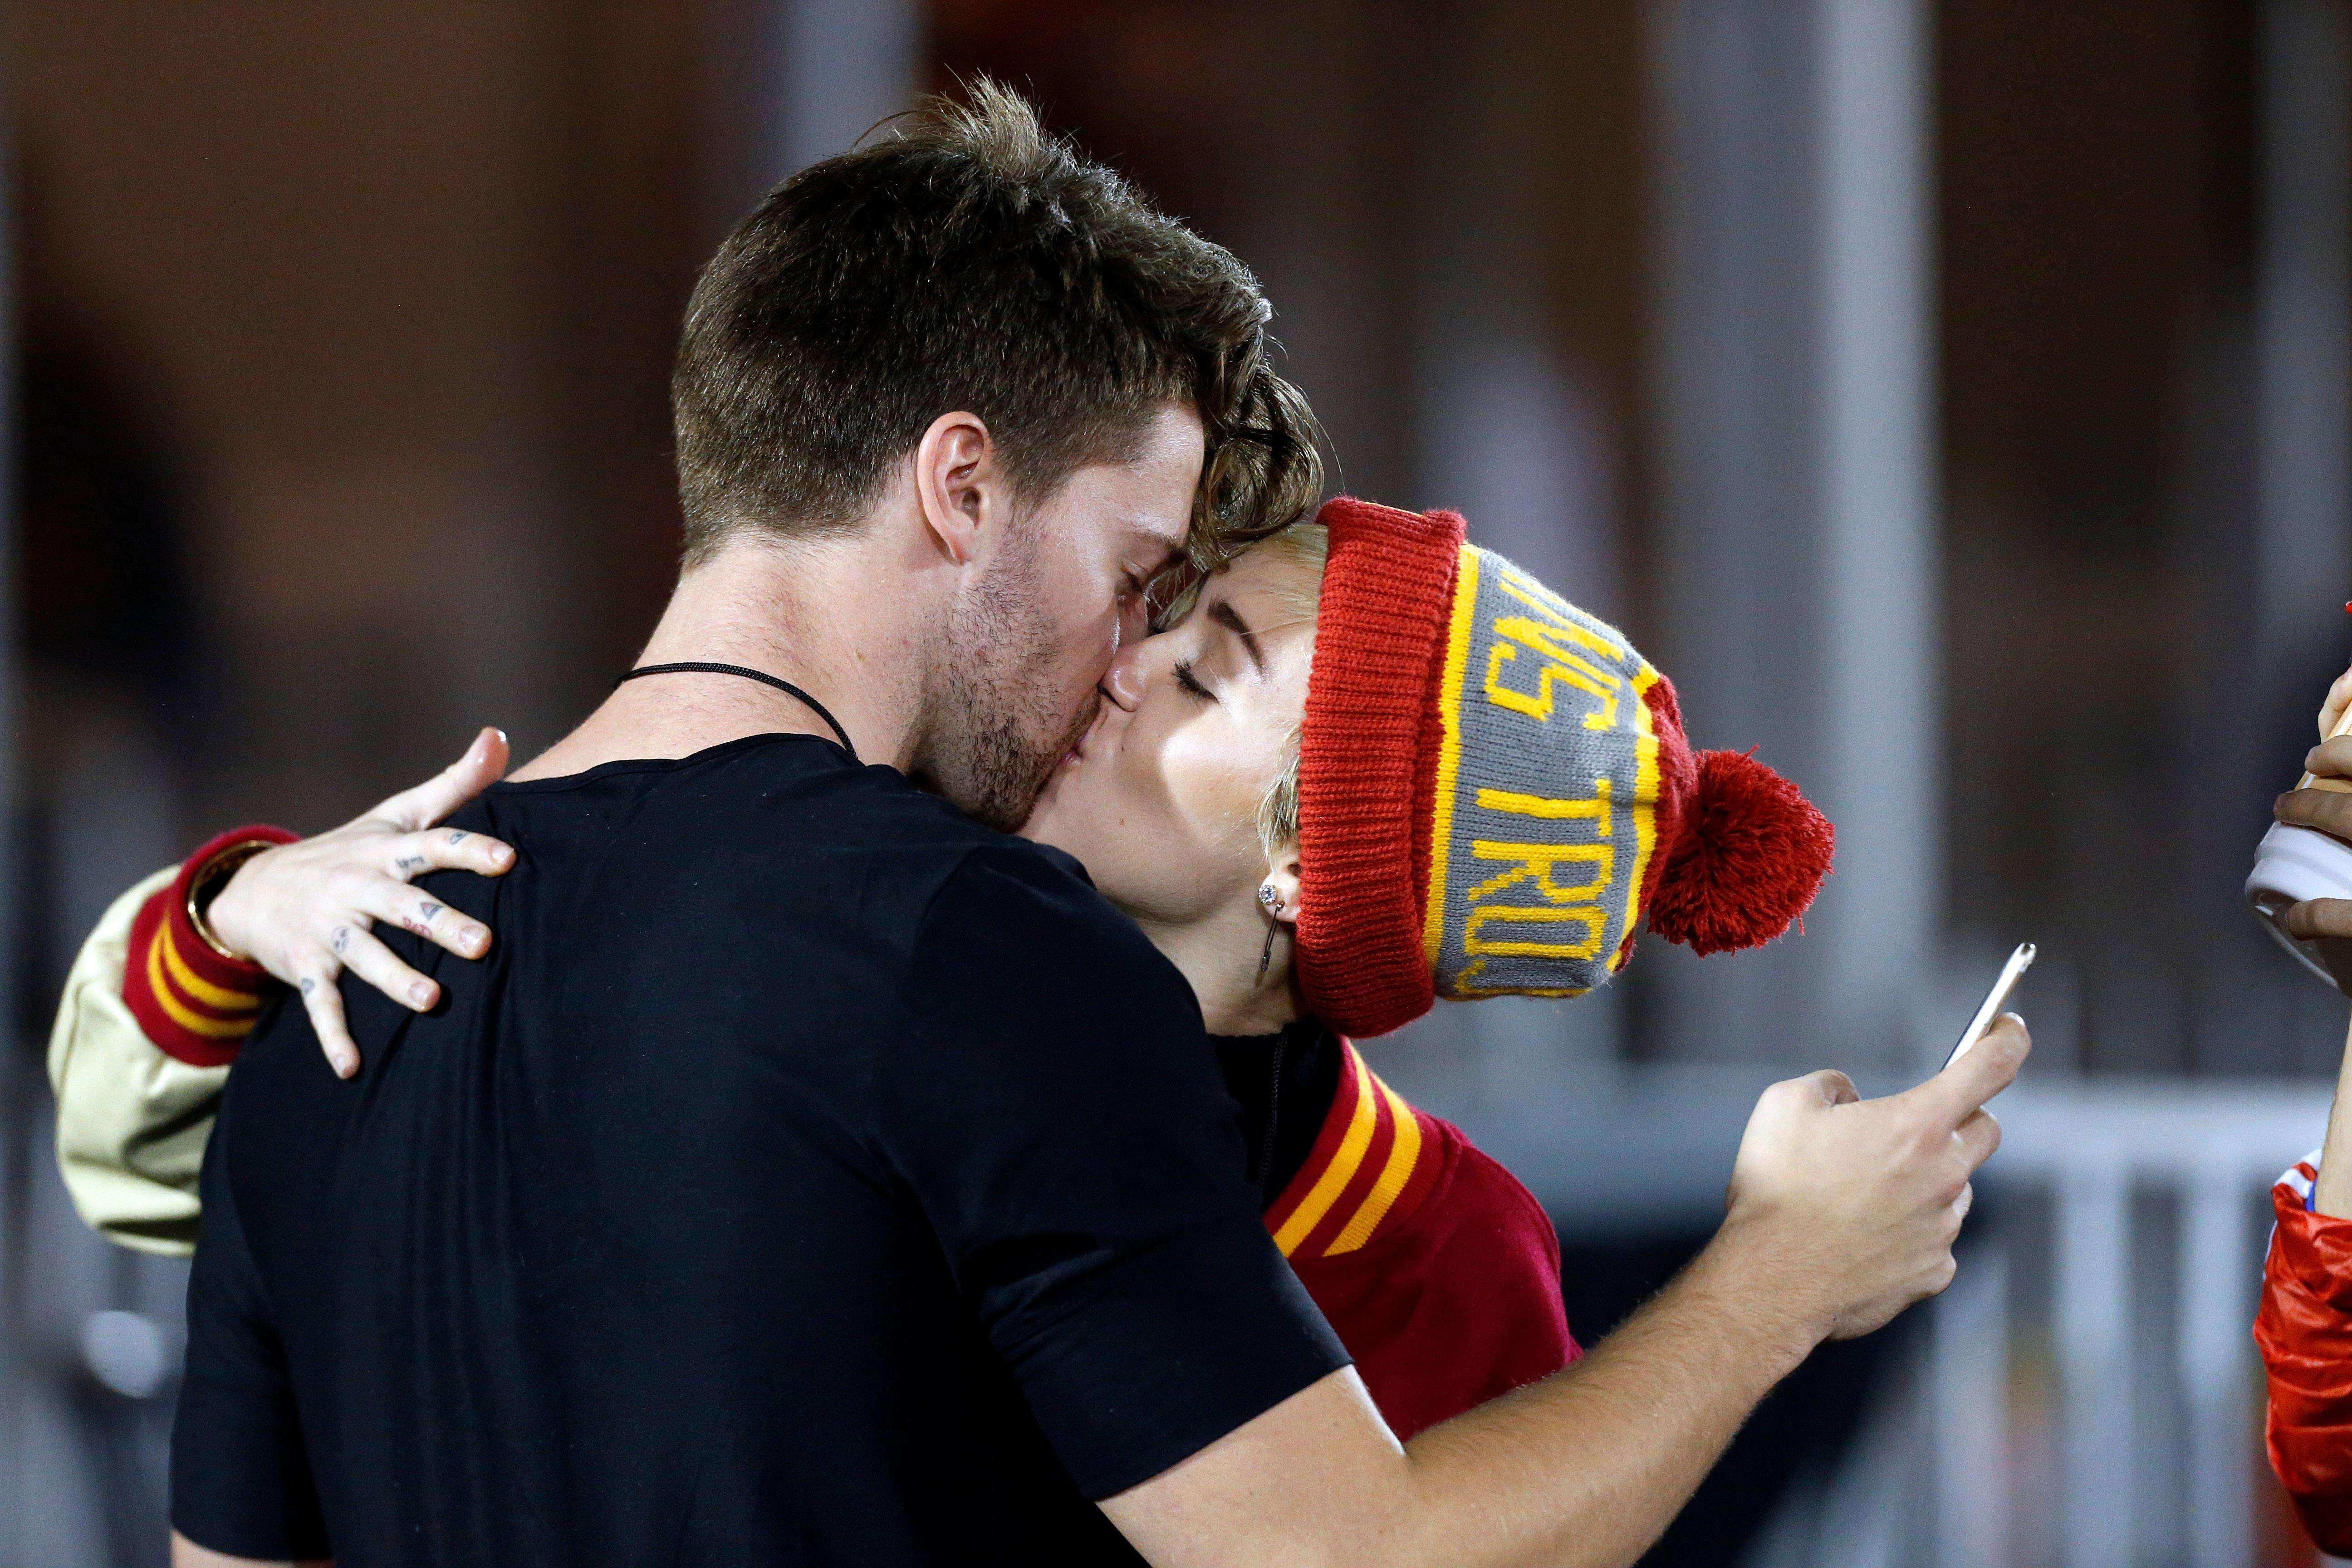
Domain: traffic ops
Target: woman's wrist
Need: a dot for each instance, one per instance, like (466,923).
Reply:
(209,870)
(194,997)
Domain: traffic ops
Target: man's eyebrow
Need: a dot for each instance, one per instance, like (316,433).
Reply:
(1225,616)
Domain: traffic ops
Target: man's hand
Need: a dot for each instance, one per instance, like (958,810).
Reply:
(1857,1201)
(303,911)
(2328,806)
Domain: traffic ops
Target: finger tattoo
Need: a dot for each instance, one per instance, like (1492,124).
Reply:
(410,863)
(308,986)
(343,938)
(430,910)
(458,835)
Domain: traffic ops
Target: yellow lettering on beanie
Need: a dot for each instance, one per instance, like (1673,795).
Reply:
(1588,915)
(1557,611)
(1559,664)
(1539,860)
(1544,806)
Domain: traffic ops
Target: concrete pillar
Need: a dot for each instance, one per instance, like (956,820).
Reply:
(1797,549)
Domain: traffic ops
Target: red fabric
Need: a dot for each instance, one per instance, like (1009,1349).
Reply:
(1453,1297)
(2305,1332)
(1366,776)
(203,1023)
(1750,856)
(1678,782)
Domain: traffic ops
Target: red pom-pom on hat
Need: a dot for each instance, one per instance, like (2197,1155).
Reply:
(1750,856)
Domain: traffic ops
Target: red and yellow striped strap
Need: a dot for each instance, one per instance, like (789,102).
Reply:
(192,1001)
(1374,1150)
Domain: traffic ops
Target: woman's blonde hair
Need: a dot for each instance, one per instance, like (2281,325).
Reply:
(1306,546)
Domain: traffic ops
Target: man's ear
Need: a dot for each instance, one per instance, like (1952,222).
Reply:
(1282,875)
(961,485)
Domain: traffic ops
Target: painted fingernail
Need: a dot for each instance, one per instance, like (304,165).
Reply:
(421,993)
(502,855)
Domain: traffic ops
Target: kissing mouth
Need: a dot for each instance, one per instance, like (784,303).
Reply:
(1078,752)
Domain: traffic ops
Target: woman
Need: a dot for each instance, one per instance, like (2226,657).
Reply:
(1362,766)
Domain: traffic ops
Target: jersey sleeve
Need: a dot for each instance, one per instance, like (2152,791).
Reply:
(2305,1332)
(132,1119)
(1055,1109)
(241,1479)
(1439,1270)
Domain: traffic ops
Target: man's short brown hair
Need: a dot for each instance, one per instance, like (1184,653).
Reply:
(970,260)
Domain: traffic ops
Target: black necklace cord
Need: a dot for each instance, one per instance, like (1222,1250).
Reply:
(764,678)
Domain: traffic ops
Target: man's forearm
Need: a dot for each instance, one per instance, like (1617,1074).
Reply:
(2332,1193)
(1589,1466)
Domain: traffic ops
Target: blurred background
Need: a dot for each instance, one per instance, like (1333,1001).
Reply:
(1955,399)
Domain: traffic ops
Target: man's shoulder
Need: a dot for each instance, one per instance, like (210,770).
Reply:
(1027,917)
(758,809)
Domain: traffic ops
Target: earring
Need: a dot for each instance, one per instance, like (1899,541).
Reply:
(1272,898)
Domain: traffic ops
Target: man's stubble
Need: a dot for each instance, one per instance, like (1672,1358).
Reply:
(996,725)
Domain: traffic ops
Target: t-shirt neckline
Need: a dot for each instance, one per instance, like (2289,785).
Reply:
(620,765)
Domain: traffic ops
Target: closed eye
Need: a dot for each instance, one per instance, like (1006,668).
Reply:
(1189,682)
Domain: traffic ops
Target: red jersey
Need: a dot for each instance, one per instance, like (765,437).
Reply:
(2305,1331)
(1438,1272)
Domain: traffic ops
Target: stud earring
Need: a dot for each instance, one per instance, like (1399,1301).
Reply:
(1267,896)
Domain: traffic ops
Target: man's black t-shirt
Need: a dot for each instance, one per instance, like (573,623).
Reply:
(806,1175)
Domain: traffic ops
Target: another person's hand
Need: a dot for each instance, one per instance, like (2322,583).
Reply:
(1857,1201)
(303,910)
(2328,807)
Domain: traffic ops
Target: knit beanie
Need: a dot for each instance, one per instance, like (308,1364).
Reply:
(1494,788)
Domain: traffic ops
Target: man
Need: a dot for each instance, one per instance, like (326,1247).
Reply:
(2305,1325)
(906,1224)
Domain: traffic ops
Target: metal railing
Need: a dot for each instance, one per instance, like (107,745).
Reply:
(2087,1394)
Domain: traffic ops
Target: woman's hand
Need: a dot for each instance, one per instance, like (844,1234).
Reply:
(303,910)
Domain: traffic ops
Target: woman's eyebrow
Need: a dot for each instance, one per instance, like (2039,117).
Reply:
(1225,616)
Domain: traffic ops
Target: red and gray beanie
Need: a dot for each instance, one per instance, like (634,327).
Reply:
(1493,790)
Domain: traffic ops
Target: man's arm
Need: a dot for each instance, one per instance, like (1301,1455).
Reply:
(2305,1325)
(2328,808)
(1843,1213)
(2331,1195)
(186,1554)
(242,1486)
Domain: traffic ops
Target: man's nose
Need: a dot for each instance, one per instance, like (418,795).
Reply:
(1124,680)
(1134,620)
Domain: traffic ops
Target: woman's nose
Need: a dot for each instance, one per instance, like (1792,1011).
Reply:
(1124,680)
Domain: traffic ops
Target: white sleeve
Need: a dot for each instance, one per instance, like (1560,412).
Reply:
(132,1122)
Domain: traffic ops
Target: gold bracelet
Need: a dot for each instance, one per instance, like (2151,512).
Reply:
(210,877)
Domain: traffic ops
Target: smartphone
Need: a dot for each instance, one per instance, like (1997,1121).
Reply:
(2011,973)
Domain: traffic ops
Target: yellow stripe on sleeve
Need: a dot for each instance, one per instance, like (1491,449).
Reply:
(1404,1154)
(177,1011)
(1340,1173)
(195,984)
